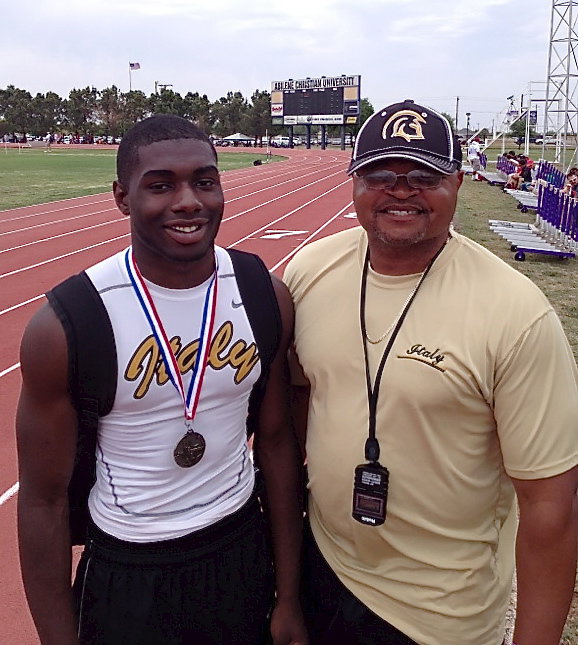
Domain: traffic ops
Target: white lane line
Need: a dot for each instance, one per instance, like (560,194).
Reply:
(21,304)
(298,170)
(54,237)
(58,221)
(308,239)
(281,183)
(64,255)
(289,213)
(6,495)
(275,199)
(9,369)
(54,210)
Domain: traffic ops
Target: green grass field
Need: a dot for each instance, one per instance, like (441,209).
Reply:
(33,176)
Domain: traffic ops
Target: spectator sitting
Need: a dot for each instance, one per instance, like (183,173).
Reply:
(571,184)
(522,175)
(529,162)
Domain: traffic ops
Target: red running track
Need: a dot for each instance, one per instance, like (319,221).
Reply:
(272,209)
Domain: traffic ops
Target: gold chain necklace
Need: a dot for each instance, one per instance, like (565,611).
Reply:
(376,341)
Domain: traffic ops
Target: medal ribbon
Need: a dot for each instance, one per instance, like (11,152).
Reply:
(191,398)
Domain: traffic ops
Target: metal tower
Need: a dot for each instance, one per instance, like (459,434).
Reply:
(561,109)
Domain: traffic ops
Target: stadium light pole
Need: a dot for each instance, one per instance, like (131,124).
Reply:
(468,114)
(162,86)
(457,112)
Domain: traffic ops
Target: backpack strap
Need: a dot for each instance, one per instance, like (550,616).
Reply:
(258,296)
(92,381)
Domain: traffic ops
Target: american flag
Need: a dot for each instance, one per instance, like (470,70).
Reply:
(134,65)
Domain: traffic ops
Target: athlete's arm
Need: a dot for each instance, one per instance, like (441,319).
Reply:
(299,413)
(278,457)
(46,438)
(545,556)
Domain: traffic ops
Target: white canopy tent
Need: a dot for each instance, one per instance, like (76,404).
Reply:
(240,138)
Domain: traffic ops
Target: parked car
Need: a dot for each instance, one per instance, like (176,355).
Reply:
(280,142)
(547,140)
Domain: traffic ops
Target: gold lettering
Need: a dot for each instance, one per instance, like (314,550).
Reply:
(243,358)
(188,357)
(137,367)
(147,363)
(220,342)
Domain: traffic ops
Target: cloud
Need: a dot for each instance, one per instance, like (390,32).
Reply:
(431,50)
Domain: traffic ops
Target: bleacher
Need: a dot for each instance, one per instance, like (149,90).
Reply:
(526,200)
(555,230)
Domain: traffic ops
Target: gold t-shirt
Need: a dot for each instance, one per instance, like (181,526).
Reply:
(480,385)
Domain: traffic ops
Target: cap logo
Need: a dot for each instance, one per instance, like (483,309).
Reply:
(403,121)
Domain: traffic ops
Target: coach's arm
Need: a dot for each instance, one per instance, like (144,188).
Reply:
(46,436)
(545,556)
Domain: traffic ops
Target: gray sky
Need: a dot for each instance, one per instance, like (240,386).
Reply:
(430,50)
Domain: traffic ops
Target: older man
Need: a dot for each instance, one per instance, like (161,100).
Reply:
(437,387)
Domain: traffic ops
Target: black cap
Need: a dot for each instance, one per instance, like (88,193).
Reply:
(407,131)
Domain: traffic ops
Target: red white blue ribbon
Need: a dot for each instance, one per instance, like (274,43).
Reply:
(191,398)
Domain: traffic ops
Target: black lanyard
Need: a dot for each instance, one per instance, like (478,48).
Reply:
(372,444)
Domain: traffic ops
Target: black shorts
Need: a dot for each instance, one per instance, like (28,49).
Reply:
(333,615)
(211,587)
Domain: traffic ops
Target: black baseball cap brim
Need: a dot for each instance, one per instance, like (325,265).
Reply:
(441,165)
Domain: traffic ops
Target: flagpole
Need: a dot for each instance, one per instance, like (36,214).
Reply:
(129,78)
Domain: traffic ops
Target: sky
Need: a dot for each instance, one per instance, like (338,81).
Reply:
(432,51)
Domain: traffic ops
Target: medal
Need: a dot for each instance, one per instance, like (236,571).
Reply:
(190,449)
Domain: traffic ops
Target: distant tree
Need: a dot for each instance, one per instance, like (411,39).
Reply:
(366,109)
(47,113)
(109,111)
(15,109)
(198,110)
(518,129)
(80,110)
(228,113)
(136,106)
(257,119)
(168,102)
(451,120)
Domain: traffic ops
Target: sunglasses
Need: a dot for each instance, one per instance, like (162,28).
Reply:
(386,179)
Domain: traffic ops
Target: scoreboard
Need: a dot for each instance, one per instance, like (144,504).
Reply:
(316,101)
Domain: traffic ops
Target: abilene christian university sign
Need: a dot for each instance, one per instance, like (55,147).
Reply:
(329,100)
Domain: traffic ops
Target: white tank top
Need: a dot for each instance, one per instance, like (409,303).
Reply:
(141,494)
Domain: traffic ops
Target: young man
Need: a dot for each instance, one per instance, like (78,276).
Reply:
(177,550)
(438,386)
